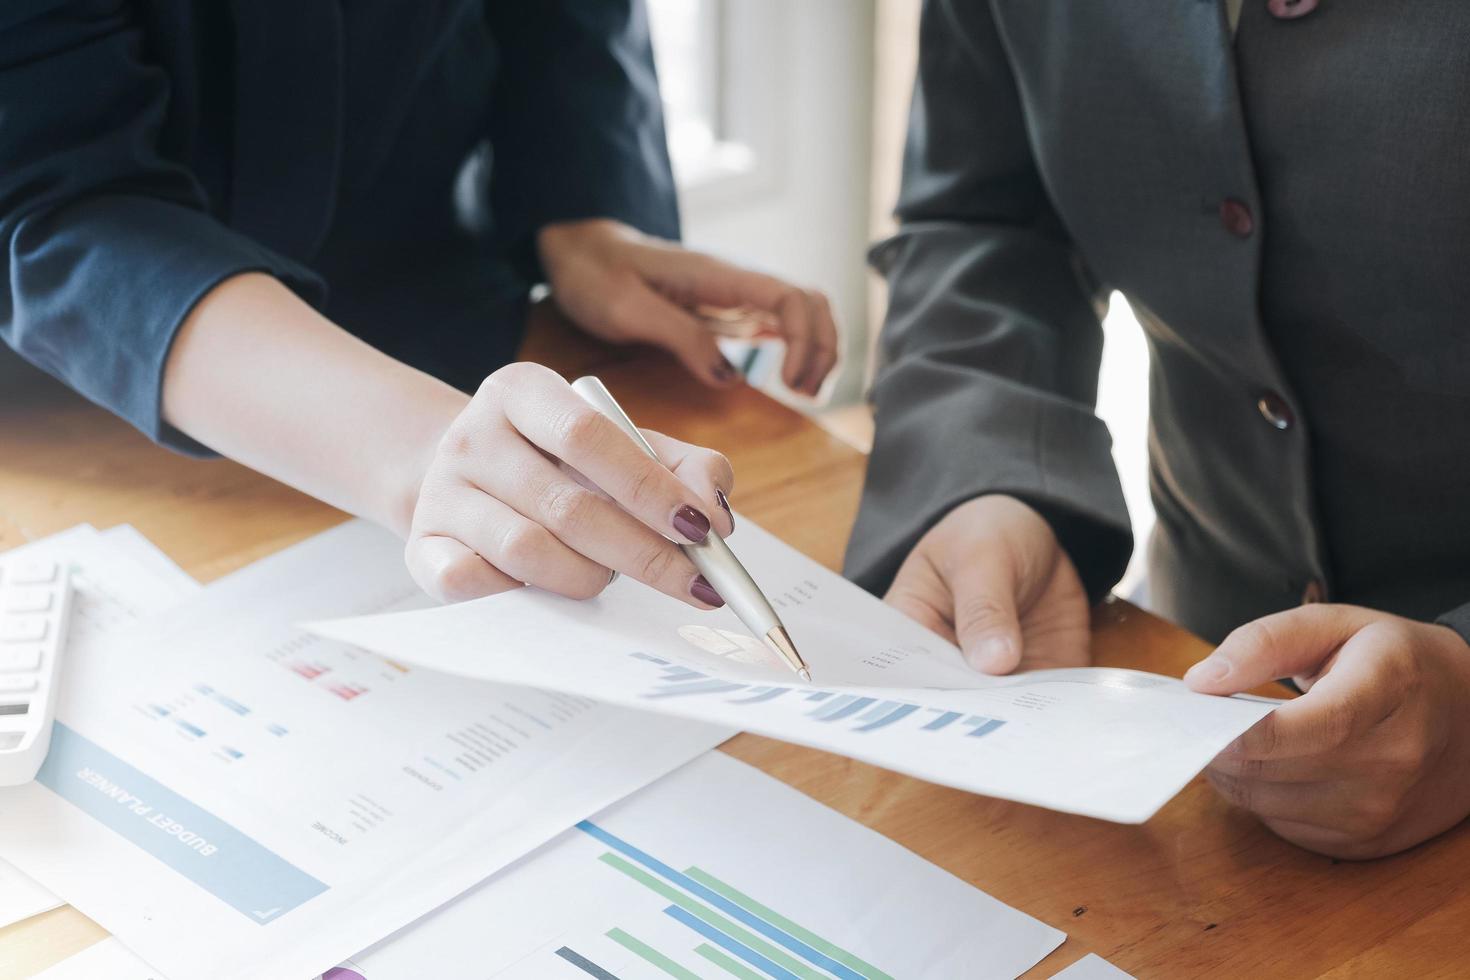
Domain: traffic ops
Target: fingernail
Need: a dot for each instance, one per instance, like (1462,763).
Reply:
(724,502)
(992,654)
(704,592)
(691,524)
(1208,671)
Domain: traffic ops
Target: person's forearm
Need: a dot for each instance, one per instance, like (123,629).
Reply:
(259,376)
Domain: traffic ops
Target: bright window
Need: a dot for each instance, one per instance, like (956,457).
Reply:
(768,113)
(690,49)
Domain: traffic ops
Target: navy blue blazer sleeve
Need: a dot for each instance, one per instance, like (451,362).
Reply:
(107,245)
(576,127)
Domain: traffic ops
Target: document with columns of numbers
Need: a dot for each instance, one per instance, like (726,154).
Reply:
(233,798)
(1108,743)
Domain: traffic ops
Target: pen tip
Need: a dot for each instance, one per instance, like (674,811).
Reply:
(779,641)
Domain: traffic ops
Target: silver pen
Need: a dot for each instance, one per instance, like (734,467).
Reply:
(711,556)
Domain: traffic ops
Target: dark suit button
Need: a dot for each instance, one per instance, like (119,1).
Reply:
(1314,593)
(1275,411)
(1237,218)
(1289,9)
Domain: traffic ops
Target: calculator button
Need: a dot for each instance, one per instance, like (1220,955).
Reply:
(33,573)
(13,659)
(9,740)
(20,684)
(28,599)
(23,629)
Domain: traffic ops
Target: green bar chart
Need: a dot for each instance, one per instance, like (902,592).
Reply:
(734,933)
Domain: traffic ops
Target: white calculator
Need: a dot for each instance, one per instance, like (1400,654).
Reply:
(35,603)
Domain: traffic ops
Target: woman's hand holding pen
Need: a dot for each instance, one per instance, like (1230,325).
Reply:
(625,287)
(532,485)
(491,491)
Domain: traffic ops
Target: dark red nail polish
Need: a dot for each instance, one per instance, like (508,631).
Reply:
(691,524)
(725,503)
(704,592)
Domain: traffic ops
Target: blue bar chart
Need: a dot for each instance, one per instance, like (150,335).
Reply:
(859,713)
(713,872)
(726,926)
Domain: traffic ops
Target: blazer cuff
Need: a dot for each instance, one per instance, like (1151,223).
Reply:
(101,288)
(946,437)
(1458,619)
(1098,547)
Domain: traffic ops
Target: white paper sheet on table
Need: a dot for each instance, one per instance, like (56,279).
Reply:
(129,541)
(232,798)
(1115,744)
(715,863)
(732,819)
(105,960)
(1092,967)
(719,857)
(118,582)
(148,583)
(111,960)
(21,897)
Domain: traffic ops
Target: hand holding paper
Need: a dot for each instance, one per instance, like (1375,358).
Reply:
(1115,744)
(993,577)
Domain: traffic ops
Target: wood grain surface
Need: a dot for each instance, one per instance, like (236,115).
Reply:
(1200,891)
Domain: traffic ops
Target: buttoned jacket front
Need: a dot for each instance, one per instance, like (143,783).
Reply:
(1289,213)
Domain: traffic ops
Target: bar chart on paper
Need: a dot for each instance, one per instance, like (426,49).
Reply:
(861,714)
(1101,742)
(709,918)
(718,871)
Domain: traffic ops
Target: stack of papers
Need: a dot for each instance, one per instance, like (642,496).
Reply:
(233,798)
(21,897)
(127,580)
(715,870)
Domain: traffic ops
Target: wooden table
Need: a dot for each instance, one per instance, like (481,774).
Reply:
(1201,890)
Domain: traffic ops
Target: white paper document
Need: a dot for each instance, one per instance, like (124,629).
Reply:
(1092,967)
(105,960)
(129,541)
(1115,744)
(21,897)
(233,798)
(113,590)
(119,581)
(714,870)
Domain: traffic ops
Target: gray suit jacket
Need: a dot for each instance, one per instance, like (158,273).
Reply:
(1291,218)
